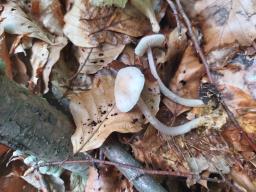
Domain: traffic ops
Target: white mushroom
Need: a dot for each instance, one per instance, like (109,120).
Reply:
(128,87)
(157,40)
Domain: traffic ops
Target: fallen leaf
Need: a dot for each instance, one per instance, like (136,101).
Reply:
(4,55)
(107,179)
(227,22)
(51,16)
(96,115)
(242,179)
(13,183)
(92,60)
(159,154)
(186,81)
(130,21)
(88,26)
(54,55)
(17,22)
(39,57)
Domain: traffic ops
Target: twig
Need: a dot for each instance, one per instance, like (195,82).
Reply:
(194,39)
(175,13)
(80,69)
(127,166)
(204,61)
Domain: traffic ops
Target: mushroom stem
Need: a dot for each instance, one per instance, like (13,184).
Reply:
(167,92)
(173,131)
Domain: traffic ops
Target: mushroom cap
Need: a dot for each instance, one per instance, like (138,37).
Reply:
(128,87)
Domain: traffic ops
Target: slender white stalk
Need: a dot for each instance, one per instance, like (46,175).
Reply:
(173,131)
(167,92)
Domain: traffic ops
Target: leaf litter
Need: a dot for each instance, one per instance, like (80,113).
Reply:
(97,37)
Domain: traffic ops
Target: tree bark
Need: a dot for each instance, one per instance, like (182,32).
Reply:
(29,123)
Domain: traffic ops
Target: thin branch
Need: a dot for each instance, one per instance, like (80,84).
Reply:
(175,13)
(194,39)
(80,68)
(128,166)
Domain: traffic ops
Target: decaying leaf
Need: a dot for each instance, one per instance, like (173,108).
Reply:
(242,179)
(224,22)
(17,22)
(186,80)
(51,16)
(96,115)
(214,164)
(237,93)
(47,12)
(40,54)
(92,60)
(4,54)
(130,21)
(107,179)
(54,55)
(88,26)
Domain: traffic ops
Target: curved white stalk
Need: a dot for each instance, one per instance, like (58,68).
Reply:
(173,131)
(156,40)
(167,92)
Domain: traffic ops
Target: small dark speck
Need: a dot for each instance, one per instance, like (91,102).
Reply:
(134,121)
(103,112)
(93,123)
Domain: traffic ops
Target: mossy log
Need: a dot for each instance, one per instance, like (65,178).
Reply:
(29,123)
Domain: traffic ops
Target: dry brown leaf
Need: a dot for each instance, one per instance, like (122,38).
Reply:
(85,25)
(20,75)
(186,80)
(241,178)
(20,44)
(127,56)
(237,92)
(250,79)
(51,16)
(159,154)
(88,26)
(47,12)
(4,55)
(13,183)
(54,55)
(96,115)
(39,57)
(224,22)
(17,22)
(107,179)
(239,102)
(92,60)
(3,149)
(130,21)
